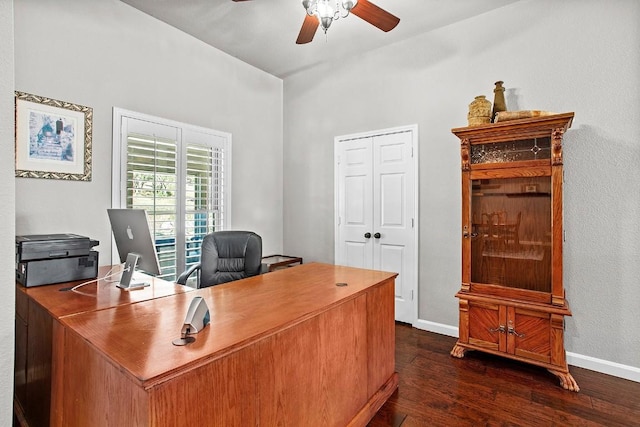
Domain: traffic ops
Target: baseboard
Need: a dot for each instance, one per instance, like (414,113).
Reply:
(604,366)
(438,328)
(627,372)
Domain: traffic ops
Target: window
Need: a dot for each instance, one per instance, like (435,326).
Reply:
(180,174)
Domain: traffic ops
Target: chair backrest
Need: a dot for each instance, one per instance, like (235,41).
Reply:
(229,255)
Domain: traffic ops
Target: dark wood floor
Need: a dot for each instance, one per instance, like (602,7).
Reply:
(484,390)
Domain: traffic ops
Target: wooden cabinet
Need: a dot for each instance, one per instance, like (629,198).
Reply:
(512,299)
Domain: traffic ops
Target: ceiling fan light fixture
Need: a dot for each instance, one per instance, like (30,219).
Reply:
(325,23)
(348,5)
(328,11)
(324,12)
(308,4)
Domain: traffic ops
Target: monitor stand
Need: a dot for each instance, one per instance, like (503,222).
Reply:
(127,274)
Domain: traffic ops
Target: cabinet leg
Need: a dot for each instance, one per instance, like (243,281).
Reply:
(566,380)
(458,351)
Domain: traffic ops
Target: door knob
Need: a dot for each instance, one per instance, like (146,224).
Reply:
(367,235)
(377,235)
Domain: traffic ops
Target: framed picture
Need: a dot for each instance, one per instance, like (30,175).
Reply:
(53,138)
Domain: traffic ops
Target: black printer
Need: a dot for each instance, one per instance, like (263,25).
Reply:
(43,259)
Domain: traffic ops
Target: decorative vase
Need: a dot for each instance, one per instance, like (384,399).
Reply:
(498,100)
(479,111)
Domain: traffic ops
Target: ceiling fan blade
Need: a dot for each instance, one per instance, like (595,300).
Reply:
(375,15)
(308,30)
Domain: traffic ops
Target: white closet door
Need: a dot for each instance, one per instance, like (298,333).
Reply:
(376,207)
(355,202)
(393,215)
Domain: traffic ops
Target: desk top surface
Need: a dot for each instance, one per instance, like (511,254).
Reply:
(96,296)
(138,337)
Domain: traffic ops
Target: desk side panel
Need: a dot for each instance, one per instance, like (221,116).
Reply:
(381,332)
(314,374)
(57,374)
(96,393)
(221,393)
(20,356)
(38,369)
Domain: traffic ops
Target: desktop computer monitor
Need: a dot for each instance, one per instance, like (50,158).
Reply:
(135,245)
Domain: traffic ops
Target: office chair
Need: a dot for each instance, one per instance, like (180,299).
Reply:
(226,256)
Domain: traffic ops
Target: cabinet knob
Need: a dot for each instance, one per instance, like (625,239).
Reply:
(377,235)
(498,329)
(367,235)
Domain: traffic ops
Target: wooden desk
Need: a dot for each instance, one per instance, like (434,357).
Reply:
(39,332)
(285,348)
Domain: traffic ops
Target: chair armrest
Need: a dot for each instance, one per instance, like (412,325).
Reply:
(182,279)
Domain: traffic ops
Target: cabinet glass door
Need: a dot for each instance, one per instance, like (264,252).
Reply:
(511,232)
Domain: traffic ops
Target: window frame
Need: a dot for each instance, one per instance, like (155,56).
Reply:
(185,134)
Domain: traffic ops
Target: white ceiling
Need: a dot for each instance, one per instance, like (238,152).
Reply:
(263,32)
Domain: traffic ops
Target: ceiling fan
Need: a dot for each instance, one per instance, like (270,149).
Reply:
(321,13)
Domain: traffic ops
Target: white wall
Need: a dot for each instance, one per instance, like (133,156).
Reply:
(7,198)
(104,53)
(580,56)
